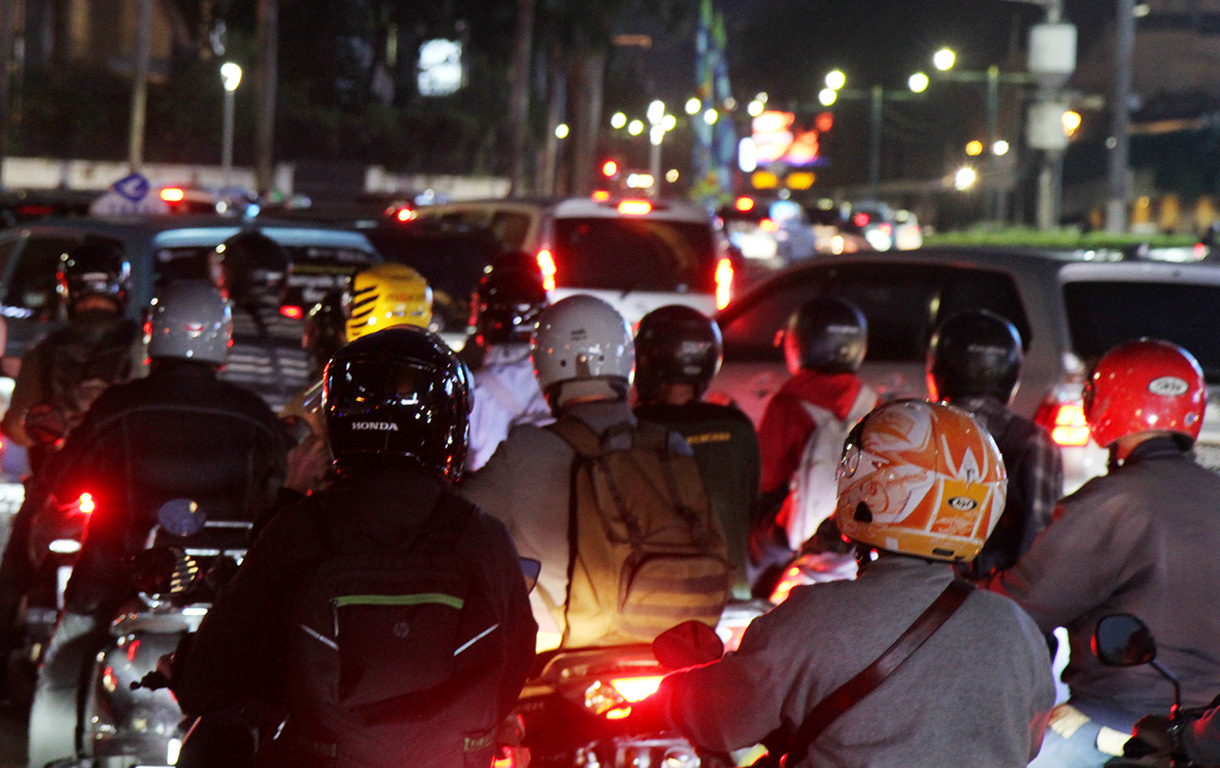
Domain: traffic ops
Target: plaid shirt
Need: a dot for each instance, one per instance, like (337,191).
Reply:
(1035,481)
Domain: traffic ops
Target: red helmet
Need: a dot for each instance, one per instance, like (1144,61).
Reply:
(1144,386)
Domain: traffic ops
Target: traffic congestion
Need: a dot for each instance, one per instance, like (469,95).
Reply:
(484,410)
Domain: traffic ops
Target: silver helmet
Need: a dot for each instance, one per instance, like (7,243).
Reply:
(582,339)
(190,321)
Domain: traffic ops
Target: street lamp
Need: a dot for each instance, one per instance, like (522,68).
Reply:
(835,79)
(693,106)
(827,96)
(660,123)
(230,75)
(964,178)
(618,120)
(944,59)
(918,82)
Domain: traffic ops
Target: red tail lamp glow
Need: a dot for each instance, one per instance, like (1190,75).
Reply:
(173,194)
(635,207)
(724,283)
(85,504)
(1068,425)
(609,168)
(860,219)
(744,204)
(404,214)
(507,758)
(635,689)
(546,263)
(601,196)
(292,312)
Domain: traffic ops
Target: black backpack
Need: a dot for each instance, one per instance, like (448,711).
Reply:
(81,366)
(388,648)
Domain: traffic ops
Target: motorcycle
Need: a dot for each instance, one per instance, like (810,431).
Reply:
(1122,640)
(121,721)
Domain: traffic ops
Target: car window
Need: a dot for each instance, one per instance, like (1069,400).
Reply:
(625,254)
(33,285)
(510,229)
(902,303)
(1103,314)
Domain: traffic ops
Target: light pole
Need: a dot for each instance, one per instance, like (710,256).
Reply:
(835,80)
(659,123)
(230,75)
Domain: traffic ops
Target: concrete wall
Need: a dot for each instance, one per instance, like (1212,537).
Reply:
(47,173)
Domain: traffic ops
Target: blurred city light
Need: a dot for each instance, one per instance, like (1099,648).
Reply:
(656,133)
(656,112)
(999,148)
(230,74)
(918,82)
(711,116)
(693,106)
(755,108)
(609,168)
(671,175)
(635,127)
(561,131)
(944,59)
(669,123)
(1071,123)
(835,79)
(618,120)
(761,97)
(964,178)
(974,148)
(827,96)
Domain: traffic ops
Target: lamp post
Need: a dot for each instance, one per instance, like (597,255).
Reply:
(835,82)
(230,75)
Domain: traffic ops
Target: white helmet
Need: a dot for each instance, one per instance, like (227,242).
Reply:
(192,321)
(582,338)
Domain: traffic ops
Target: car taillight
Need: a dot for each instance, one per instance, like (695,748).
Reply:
(1066,423)
(292,312)
(860,219)
(173,194)
(635,207)
(767,225)
(724,283)
(601,196)
(546,263)
(85,504)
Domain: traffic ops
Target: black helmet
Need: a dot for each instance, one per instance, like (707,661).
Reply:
(94,269)
(251,267)
(974,353)
(325,328)
(828,335)
(676,345)
(508,300)
(399,392)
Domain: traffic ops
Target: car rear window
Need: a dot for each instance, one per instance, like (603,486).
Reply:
(902,302)
(634,254)
(1103,314)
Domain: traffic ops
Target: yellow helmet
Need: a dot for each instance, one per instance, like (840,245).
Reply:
(920,479)
(386,295)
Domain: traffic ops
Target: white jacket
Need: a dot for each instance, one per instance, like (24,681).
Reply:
(505,394)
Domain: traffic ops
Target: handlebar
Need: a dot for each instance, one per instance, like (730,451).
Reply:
(153,681)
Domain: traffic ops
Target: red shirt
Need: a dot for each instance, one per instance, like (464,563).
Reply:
(786,426)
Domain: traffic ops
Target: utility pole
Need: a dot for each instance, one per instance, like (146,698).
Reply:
(519,92)
(874,143)
(1116,206)
(6,56)
(266,79)
(139,87)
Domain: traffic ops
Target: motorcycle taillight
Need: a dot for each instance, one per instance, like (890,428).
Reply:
(613,698)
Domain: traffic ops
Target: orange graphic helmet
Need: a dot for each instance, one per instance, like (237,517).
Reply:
(921,479)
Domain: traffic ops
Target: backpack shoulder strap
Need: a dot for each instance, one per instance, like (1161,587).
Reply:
(579,435)
(850,693)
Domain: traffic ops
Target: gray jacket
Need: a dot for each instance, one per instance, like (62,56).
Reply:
(1143,539)
(525,486)
(978,692)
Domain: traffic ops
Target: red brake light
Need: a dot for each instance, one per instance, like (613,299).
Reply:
(767,225)
(546,263)
(744,204)
(609,169)
(635,689)
(507,758)
(601,196)
(860,219)
(724,283)
(173,194)
(404,214)
(85,504)
(1066,423)
(292,312)
(635,207)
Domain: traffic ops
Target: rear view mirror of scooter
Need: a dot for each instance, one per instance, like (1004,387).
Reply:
(1122,640)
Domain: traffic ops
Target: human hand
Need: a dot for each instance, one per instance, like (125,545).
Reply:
(308,463)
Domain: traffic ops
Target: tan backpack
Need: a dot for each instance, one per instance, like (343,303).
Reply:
(646,550)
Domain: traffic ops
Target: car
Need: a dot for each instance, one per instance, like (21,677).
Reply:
(637,254)
(1070,307)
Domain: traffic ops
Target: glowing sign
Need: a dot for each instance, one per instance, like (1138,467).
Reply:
(440,67)
(778,139)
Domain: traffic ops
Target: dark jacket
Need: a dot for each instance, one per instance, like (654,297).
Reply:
(726,448)
(179,433)
(1142,539)
(240,653)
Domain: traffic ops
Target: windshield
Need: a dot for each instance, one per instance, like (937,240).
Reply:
(641,254)
(1103,314)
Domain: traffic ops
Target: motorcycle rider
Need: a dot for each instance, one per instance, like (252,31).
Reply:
(824,346)
(1140,539)
(678,351)
(584,357)
(391,481)
(508,300)
(920,485)
(178,433)
(974,362)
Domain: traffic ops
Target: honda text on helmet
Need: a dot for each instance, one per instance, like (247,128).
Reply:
(508,300)
(828,335)
(1145,386)
(676,345)
(94,269)
(191,321)
(401,391)
(922,479)
(582,343)
(974,354)
(387,295)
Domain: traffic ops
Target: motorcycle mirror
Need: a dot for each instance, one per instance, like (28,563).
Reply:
(530,568)
(181,517)
(689,644)
(1122,640)
(162,570)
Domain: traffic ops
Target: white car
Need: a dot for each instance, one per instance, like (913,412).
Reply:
(1070,308)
